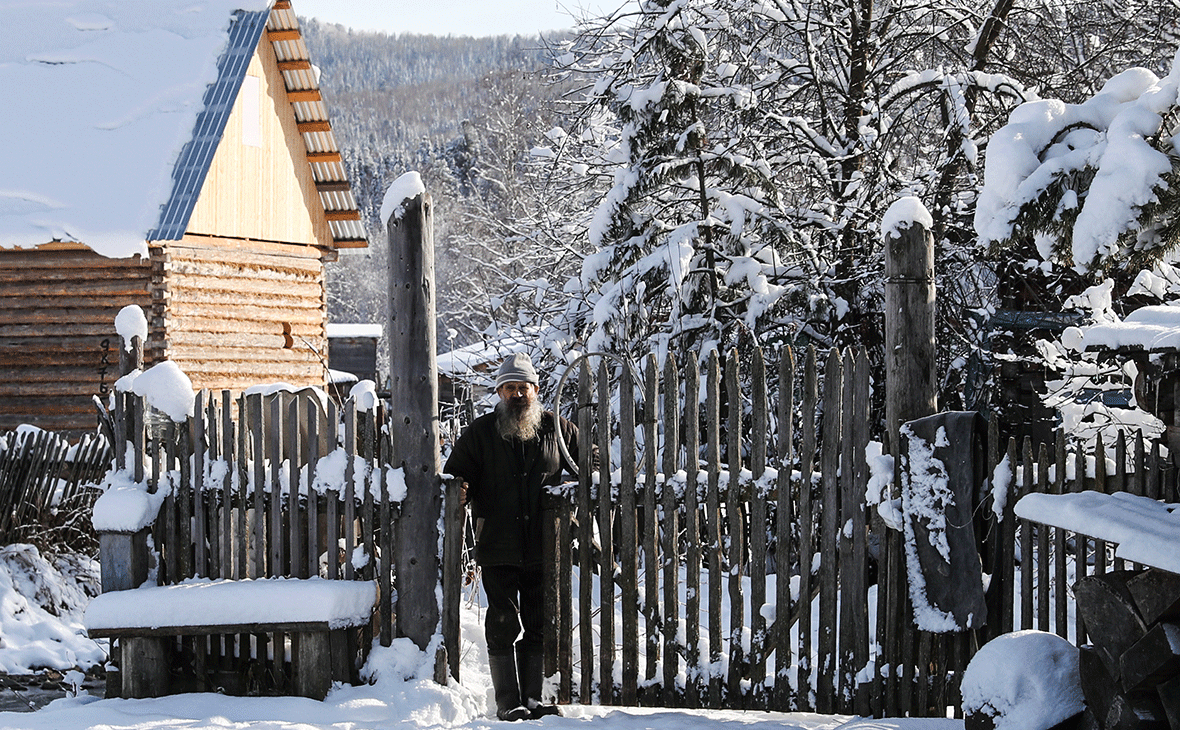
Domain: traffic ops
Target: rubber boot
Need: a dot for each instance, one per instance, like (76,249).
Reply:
(505,687)
(529,662)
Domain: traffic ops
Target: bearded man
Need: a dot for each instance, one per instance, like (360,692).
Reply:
(506,458)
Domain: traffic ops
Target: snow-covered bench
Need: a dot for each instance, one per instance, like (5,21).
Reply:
(313,611)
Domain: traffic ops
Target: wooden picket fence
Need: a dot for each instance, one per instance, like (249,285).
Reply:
(46,488)
(761,591)
(244,500)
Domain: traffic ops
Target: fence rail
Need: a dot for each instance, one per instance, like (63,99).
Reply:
(733,562)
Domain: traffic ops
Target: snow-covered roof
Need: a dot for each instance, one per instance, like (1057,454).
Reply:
(119,107)
(1151,328)
(467,360)
(344,329)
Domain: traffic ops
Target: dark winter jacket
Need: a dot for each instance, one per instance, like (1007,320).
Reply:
(504,479)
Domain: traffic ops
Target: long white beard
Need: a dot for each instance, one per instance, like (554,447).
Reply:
(521,423)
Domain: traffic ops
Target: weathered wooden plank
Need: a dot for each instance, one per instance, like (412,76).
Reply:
(389,514)
(185,315)
(1118,481)
(349,495)
(1041,533)
(1006,557)
(295,532)
(238,261)
(586,516)
(225,487)
(213,487)
(849,585)
(606,559)
(692,530)
(669,525)
(237,288)
(759,437)
(453,569)
(713,545)
(314,498)
(259,439)
(856,570)
(829,528)
(806,523)
(1080,541)
(1026,537)
(651,559)
(66,276)
(49,313)
(1100,485)
(784,556)
(69,302)
(241,495)
(1061,592)
(735,513)
(563,665)
(198,445)
(628,569)
(275,551)
(184,502)
(82,258)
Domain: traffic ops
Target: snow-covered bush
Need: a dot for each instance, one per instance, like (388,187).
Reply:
(1025,680)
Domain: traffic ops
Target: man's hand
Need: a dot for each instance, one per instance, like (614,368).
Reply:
(463,495)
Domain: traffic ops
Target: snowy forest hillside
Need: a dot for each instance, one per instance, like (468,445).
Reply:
(461,111)
(692,174)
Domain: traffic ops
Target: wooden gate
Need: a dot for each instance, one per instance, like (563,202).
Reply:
(745,570)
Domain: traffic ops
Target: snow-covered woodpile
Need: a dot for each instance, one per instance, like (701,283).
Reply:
(1130,669)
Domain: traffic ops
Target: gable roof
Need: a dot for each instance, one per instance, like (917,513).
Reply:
(118,108)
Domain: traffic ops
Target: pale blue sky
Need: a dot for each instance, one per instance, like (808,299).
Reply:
(453,17)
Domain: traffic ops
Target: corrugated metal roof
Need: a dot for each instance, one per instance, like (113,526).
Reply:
(189,174)
(311,114)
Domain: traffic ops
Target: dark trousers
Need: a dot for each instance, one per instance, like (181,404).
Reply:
(515,601)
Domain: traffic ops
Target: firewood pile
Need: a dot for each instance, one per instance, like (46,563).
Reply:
(1130,668)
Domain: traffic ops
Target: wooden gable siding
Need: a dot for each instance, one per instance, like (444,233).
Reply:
(237,313)
(264,192)
(58,344)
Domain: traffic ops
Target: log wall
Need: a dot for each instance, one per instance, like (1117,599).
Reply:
(58,344)
(233,314)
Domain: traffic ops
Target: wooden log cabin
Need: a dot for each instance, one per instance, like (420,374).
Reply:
(207,188)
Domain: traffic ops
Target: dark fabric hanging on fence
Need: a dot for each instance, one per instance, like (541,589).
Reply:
(943,469)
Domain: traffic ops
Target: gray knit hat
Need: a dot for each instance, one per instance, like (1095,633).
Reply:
(517,369)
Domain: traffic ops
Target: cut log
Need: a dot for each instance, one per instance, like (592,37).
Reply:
(1110,616)
(1156,594)
(1098,687)
(1153,659)
(1136,712)
(1169,694)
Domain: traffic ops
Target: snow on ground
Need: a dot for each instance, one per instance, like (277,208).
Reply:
(401,696)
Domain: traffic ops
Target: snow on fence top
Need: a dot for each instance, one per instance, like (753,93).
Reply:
(1145,529)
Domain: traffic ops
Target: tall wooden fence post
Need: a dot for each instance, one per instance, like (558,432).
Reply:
(910,390)
(413,414)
